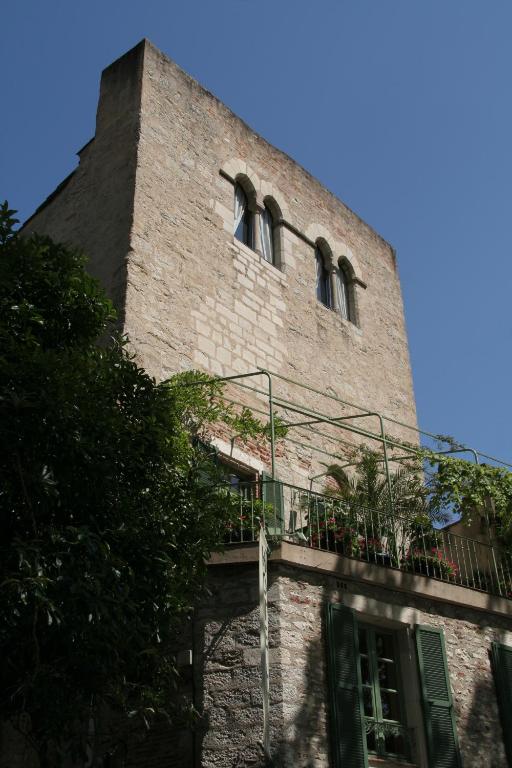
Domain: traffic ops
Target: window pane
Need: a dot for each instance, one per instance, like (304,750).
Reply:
(240,208)
(365,670)
(387,675)
(368,701)
(243,217)
(267,236)
(390,705)
(384,646)
(342,289)
(363,645)
(323,292)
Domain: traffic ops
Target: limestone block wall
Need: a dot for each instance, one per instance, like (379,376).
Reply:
(152,204)
(198,297)
(227,659)
(93,208)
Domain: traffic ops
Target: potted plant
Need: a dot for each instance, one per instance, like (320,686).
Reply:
(430,562)
(243,524)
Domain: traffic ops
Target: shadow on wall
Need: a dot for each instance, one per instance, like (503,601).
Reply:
(227,676)
(303,739)
(483,720)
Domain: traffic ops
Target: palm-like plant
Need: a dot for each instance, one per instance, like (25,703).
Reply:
(391,514)
(369,489)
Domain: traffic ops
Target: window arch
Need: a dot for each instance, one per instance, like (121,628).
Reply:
(270,240)
(343,292)
(268,250)
(345,282)
(323,280)
(244,219)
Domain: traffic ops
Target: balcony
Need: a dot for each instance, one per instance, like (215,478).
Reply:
(393,541)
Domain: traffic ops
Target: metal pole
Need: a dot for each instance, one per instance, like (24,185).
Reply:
(265,676)
(386,463)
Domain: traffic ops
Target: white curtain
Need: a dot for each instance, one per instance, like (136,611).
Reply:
(342,292)
(319,274)
(266,225)
(240,205)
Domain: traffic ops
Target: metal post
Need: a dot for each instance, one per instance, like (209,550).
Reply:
(386,464)
(265,676)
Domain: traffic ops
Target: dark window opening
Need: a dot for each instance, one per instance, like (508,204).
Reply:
(243,228)
(323,286)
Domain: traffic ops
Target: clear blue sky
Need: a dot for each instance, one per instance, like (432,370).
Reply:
(401,107)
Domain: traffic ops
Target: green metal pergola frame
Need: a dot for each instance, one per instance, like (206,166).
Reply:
(315,417)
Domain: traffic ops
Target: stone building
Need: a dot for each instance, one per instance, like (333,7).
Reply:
(223,254)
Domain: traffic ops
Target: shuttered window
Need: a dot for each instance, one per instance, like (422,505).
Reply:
(386,734)
(502,668)
(347,726)
(439,717)
(367,713)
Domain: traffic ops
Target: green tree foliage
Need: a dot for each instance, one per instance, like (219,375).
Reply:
(468,488)
(107,511)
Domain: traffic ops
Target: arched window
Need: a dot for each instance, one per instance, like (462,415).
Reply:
(342,290)
(268,248)
(243,228)
(323,283)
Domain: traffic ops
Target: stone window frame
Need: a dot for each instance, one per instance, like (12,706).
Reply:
(401,622)
(339,256)
(260,194)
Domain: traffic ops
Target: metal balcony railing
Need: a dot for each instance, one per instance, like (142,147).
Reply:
(390,540)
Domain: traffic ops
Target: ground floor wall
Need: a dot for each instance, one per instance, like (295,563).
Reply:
(227,665)
(221,674)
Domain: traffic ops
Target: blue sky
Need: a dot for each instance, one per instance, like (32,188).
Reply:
(401,107)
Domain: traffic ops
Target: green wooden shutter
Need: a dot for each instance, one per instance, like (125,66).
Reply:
(272,494)
(440,726)
(501,656)
(348,732)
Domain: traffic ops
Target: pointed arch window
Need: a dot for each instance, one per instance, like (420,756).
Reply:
(243,225)
(323,283)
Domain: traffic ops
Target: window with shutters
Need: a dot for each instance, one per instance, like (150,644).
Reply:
(367,711)
(386,734)
(379,695)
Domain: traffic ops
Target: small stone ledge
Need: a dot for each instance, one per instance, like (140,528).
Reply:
(341,567)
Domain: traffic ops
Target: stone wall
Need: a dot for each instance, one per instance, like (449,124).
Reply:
(93,208)
(152,204)
(228,674)
(198,297)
